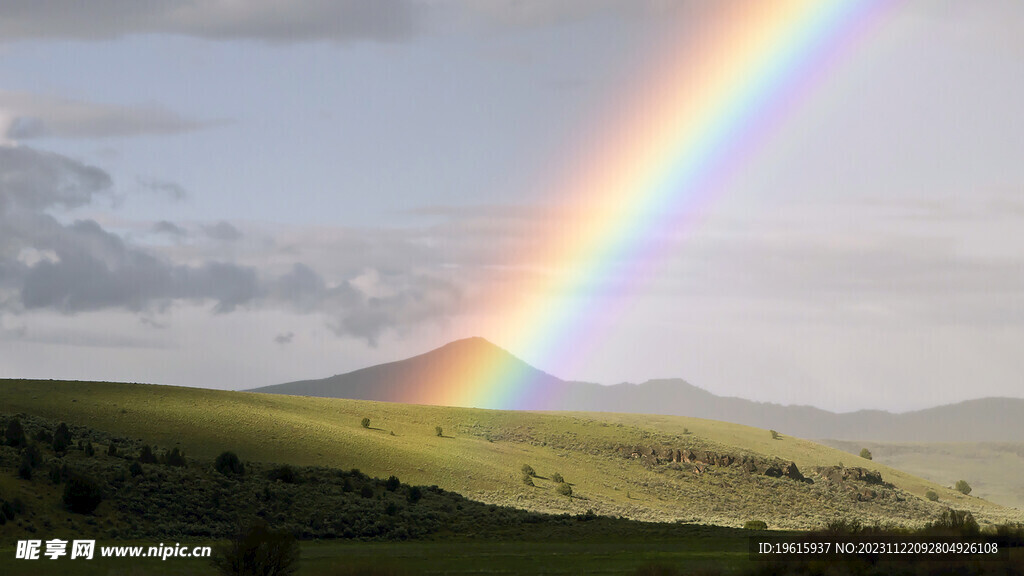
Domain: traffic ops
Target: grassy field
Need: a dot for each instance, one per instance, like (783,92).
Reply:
(995,470)
(481,452)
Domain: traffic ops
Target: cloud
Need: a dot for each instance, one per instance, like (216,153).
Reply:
(25,116)
(285,338)
(78,267)
(170,229)
(171,190)
(222,231)
(268,20)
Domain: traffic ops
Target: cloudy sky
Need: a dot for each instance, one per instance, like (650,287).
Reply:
(234,194)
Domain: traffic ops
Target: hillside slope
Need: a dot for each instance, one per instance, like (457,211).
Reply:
(409,381)
(606,458)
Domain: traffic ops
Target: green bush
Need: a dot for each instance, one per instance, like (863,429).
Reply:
(439,430)
(392,483)
(775,435)
(528,470)
(174,458)
(963,487)
(146,455)
(527,479)
(61,438)
(556,477)
(284,473)
(258,550)
(365,422)
(82,494)
(755,525)
(564,489)
(931,495)
(228,464)
(14,435)
(135,469)
(865,454)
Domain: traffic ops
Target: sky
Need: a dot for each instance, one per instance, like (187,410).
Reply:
(231,195)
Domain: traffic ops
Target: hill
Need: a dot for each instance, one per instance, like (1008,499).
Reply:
(982,420)
(644,467)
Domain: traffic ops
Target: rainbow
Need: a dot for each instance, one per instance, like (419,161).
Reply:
(708,103)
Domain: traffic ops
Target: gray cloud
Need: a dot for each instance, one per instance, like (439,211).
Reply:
(170,229)
(25,116)
(270,20)
(80,267)
(222,231)
(170,190)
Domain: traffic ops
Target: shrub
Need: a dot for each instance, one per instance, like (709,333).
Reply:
(146,455)
(528,470)
(112,450)
(556,477)
(775,435)
(174,458)
(366,491)
(527,479)
(963,487)
(61,438)
(229,464)
(89,450)
(931,495)
(135,469)
(564,489)
(755,525)
(284,473)
(258,550)
(365,422)
(439,430)
(82,494)
(415,494)
(865,453)
(960,521)
(14,435)
(392,483)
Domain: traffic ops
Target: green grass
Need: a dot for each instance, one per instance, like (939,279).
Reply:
(482,452)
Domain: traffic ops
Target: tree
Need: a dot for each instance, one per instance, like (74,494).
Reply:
(439,430)
(564,489)
(556,477)
(174,458)
(528,470)
(15,434)
(256,550)
(146,455)
(865,453)
(82,494)
(366,422)
(229,464)
(61,438)
(392,483)
(963,487)
(775,435)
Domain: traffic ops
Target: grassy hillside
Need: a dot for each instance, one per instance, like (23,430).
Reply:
(995,470)
(481,452)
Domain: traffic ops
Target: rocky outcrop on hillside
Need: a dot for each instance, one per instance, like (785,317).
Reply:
(698,461)
(863,485)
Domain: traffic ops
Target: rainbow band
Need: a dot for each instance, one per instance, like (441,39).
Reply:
(706,107)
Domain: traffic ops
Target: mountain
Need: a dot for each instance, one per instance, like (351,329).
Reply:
(454,366)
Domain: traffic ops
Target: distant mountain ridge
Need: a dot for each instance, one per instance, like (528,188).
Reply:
(981,420)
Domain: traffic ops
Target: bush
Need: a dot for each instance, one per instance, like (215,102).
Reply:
(963,487)
(527,479)
(61,438)
(365,422)
(775,435)
(89,450)
(284,473)
(174,458)
(556,477)
(135,469)
(146,455)
(528,470)
(366,491)
(439,430)
(931,495)
(257,550)
(15,434)
(865,453)
(755,525)
(82,494)
(564,489)
(229,464)
(392,483)
(960,521)
(112,450)
(415,494)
